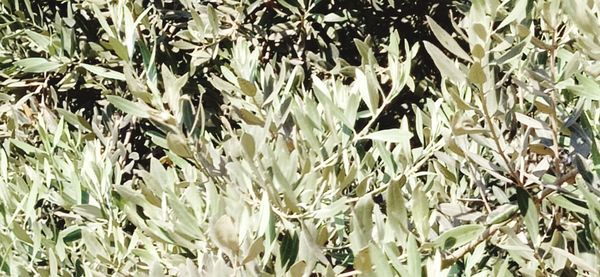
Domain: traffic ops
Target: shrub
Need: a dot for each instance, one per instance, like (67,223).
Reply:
(296,137)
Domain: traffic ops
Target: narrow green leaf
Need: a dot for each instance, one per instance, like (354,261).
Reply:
(364,50)
(130,31)
(178,145)
(255,249)
(37,65)
(20,233)
(72,235)
(382,267)
(420,212)
(458,236)
(129,107)
(247,87)
(104,72)
(444,64)
(567,204)
(530,214)
(587,88)
(88,211)
(119,48)
(447,41)
(289,249)
(531,122)
(369,94)
(390,135)
(250,118)
(41,40)
(514,52)
(414,257)
(24,146)
(577,261)
(396,207)
(501,214)
(173,86)
(73,119)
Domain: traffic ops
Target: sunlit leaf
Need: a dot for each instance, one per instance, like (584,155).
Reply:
(127,106)
(458,236)
(104,72)
(390,135)
(226,233)
(446,40)
(37,65)
(444,64)
(178,145)
(369,94)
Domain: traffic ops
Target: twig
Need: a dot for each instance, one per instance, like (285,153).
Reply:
(553,105)
(496,139)
(351,273)
(365,130)
(461,252)
(557,184)
(481,187)
(408,173)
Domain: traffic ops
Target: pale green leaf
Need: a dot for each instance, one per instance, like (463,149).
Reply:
(587,88)
(476,74)
(501,214)
(445,65)
(225,233)
(173,86)
(390,135)
(414,257)
(579,262)
(104,72)
(382,267)
(37,65)
(41,40)
(178,145)
(255,249)
(247,87)
(369,94)
(458,236)
(129,107)
(447,41)
(530,215)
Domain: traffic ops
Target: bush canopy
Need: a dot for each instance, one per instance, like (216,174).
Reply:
(299,138)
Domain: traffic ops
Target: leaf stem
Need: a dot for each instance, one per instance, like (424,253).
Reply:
(461,252)
(496,138)
(386,101)
(553,105)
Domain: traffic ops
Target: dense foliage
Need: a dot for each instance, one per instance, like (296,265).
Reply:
(290,137)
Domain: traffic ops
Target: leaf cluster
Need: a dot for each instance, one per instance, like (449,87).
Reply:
(253,138)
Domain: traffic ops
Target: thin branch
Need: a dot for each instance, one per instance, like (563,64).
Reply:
(496,139)
(481,187)
(557,184)
(461,252)
(554,117)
